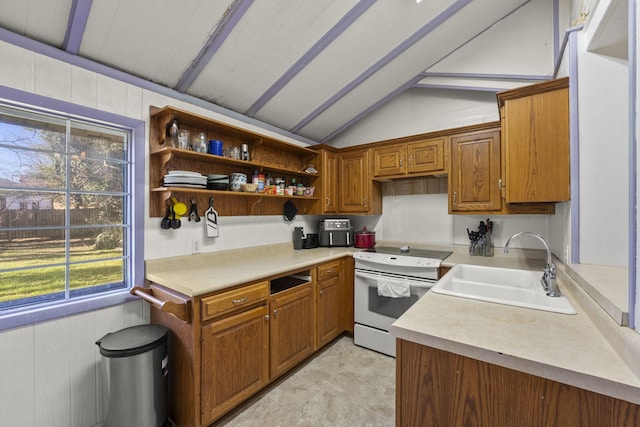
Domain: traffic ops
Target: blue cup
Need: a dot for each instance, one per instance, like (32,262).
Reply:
(215,147)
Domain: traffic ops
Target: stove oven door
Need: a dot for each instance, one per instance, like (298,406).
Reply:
(380,312)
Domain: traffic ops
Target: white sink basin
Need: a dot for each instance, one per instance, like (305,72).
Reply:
(520,288)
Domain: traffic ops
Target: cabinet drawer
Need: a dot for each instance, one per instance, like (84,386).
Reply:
(236,299)
(329,269)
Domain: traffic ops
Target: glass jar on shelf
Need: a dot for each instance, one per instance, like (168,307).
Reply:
(199,142)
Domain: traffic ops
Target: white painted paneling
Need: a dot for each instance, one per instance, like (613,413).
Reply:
(18,72)
(527,49)
(52,373)
(82,369)
(236,79)
(83,87)
(604,171)
(417,219)
(52,78)
(157,39)
(419,111)
(455,31)
(44,20)
(111,95)
(17,394)
(504,227)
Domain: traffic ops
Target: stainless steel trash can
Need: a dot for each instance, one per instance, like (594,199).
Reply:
(134,371)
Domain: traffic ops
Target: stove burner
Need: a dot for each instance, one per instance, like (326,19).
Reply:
(418,253)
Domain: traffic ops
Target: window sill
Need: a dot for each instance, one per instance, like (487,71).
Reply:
(29,315)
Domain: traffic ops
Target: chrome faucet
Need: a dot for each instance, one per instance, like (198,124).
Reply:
(548,279)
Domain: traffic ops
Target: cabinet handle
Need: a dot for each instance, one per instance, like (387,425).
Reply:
(410,158)
(327,202)
(500,186)
(455,197)
(365,201)
(401,161)
(330,270)
(239,300)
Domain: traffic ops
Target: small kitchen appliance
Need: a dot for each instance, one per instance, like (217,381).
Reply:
(335,232)
(365,239)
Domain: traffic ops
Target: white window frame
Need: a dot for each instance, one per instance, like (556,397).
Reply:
(135,244)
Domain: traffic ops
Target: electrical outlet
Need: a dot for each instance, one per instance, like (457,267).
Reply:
(195,247)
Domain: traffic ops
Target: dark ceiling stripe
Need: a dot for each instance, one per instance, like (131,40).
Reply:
(316,49)
(213,43)
(78,17)
(394,53)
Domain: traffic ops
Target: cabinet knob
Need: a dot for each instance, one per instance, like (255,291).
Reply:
(275,311)
(267,317)
(320,291)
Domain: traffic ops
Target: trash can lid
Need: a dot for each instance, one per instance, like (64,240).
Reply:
(132,341)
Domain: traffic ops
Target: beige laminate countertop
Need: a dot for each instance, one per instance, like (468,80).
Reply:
(567,348)
(199,274)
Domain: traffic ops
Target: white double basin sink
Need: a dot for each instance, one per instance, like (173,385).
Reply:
(520,288)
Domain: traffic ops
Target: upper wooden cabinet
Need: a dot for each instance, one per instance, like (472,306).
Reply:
(475,172)
(358,193)
(267,156)
(535,142)
(409,159)
(328,191)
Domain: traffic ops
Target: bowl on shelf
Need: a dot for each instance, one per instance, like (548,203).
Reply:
(249,188)
(217,182)
(216,176)
(224,186)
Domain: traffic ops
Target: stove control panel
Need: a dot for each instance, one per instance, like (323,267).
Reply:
(396,260)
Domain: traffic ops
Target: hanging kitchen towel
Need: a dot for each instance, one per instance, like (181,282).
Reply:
(393,289)
(290,211)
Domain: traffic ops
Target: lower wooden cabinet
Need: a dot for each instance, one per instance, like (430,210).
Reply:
(235,361)
(438,388)
(329,293)
(232,343)
(292,328)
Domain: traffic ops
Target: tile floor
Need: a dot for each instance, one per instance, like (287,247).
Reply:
(342,385)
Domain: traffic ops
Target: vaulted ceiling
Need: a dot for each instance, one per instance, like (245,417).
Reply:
(310,67)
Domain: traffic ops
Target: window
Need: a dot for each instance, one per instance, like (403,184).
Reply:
(67,223)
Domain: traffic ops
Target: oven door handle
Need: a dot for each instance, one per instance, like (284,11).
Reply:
(426,283)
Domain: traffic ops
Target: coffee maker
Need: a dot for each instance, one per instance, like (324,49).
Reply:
(335,232)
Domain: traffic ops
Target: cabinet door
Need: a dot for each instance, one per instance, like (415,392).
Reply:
(475,171)
(425,156)
(389,161)
(329,291)
(235,361)
(354,181)
(329,182)
(536,145)
(291,327)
